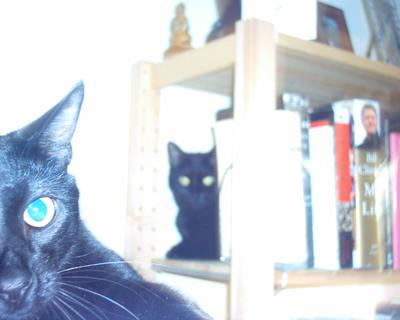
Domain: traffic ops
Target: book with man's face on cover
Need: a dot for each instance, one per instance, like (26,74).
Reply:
(371,186)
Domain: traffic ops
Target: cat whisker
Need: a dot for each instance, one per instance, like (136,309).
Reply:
(85,270)
(114,282)
(61,309)
(83,303)
(103,297)
(106,280)
(93,265)
(81,269)
(129,262)
(82,255)
(66,305)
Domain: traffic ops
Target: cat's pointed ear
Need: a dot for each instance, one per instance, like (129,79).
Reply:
(213,157)
(175,154)
(50,135)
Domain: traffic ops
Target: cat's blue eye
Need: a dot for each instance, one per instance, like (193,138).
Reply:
(39,212)
(184,181)
(208,181)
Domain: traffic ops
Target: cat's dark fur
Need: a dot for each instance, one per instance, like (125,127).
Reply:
(197,219)
(60,271)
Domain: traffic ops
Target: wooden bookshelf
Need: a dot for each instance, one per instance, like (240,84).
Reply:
(255,65)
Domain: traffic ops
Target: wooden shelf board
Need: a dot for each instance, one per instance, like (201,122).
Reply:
(317,71)
(207,270)
(325,74)
(320,278)
(321,54)
(220,271)
(220,82)
(201,68)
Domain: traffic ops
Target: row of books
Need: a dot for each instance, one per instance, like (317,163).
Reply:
(351,171)
(336,201)
(350,186)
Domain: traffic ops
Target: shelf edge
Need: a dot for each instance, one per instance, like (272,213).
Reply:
(323,52)
(213,57)
(294,279)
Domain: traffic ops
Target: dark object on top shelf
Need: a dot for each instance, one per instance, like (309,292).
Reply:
(331,27)
(224,114)
(394,122)
(229,11)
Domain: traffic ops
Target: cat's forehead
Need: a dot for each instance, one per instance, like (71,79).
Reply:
(12,163)
(5,151)
(196,166)
(7,166)
(199,159)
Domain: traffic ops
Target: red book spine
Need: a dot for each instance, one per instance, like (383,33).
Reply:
(343,189)
(342,138)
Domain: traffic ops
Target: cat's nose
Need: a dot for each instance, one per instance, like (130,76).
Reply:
(15,278)
(13,289)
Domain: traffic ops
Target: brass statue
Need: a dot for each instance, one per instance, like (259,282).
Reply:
(180,38)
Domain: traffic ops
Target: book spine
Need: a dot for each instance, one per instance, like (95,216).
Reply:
(323,194)
(291,222)
(370,219)
(299,104)
(343,186)
(394,145)
(307,191)
(372,247)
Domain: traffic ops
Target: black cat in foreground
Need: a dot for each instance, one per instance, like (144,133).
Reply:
(51,266)
(193,182)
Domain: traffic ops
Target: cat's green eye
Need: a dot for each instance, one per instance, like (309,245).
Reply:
(184,181)
(40,212)
(208,181)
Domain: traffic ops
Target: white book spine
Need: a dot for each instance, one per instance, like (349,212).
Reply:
(323,195)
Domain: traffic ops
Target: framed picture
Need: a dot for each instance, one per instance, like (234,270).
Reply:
(331,27)
(384,22)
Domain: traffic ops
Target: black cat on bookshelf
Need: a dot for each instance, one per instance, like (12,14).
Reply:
(193,182)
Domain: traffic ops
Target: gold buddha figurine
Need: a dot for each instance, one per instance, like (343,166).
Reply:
(180,38)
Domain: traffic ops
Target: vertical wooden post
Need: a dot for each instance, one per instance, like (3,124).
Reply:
(140,247)
(252,217)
